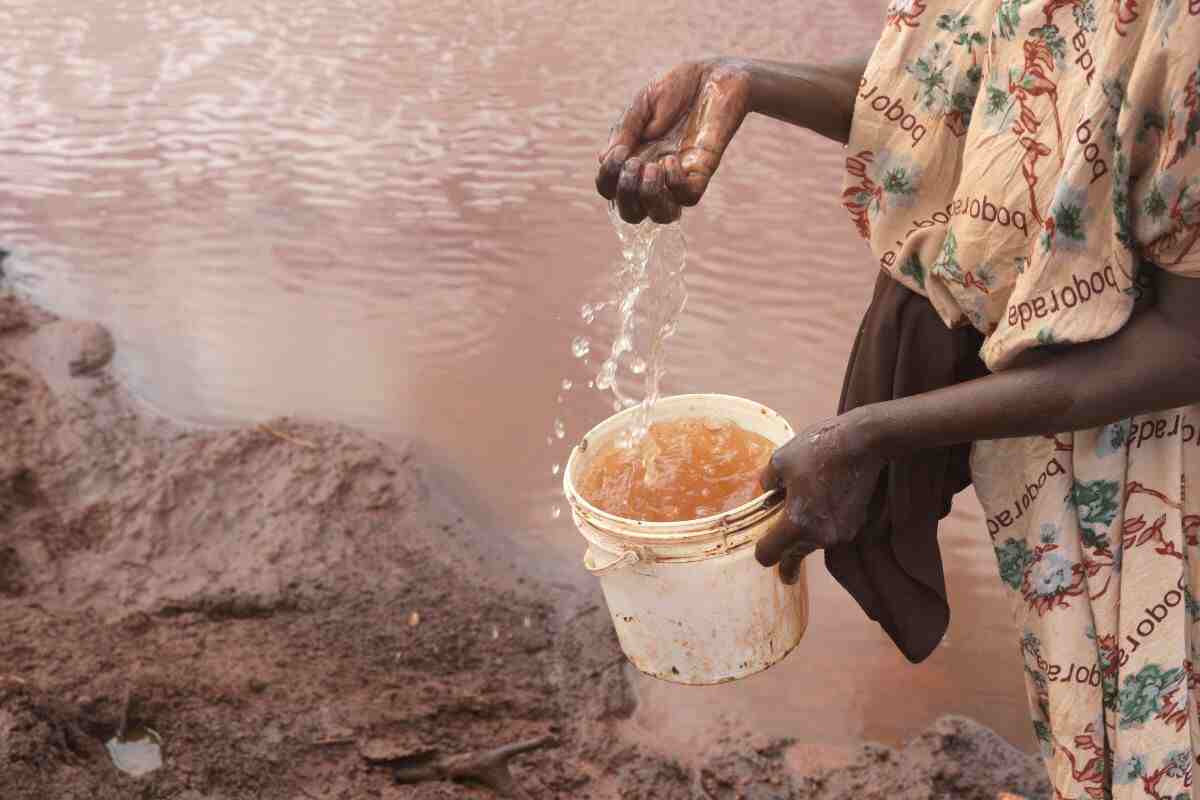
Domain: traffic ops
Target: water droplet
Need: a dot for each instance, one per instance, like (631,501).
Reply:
(566,384)
(555,469)
(638,365)
(617,405)
(555,512)
(560,428)
(591,384)
(607,375)
(588,313)
(580,346)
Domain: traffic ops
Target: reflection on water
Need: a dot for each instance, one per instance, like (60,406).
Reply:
(382,213)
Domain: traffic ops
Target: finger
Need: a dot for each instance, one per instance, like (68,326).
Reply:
(696,176)
(721,109)
(672,171)
(629,192)
(610,171)
(790,565)
(655,199)
(786,535)
(629,128)
(772,474)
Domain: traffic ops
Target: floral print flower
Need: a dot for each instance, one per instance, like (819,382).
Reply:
(1112,439)
(1052,573)
(1066,224)
(1094,501)
(1129,770)
(1084,12)
(1014,557)
(913,268)
(1142,694)
(1008,18)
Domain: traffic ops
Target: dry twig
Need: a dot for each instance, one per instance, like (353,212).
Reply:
(488,767)
(265,428)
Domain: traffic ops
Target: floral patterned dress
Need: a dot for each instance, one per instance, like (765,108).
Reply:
(1018,162)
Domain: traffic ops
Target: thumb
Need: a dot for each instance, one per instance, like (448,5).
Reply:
(789,567)
(715,118)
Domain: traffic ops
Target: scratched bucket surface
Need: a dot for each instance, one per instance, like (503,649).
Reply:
(689,602)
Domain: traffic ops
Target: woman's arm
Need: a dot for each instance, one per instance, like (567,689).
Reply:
(669,142)
(819,97)
(1152,364)
(830,470)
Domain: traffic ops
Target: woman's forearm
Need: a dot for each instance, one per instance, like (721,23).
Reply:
(1152,364)
(819,97)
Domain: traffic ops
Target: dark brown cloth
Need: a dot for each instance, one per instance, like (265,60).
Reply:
(894,567)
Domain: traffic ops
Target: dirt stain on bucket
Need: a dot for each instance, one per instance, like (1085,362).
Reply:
(137,752)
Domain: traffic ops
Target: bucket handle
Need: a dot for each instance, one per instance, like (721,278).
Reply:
(626,559)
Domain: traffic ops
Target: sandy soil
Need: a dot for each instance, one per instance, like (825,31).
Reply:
(298,614)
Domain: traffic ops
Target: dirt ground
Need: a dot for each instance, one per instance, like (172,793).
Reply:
(297,612)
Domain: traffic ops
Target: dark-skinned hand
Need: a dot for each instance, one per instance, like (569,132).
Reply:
(667,145)
(828,479)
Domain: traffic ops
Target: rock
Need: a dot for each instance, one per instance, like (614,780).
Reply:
(94,348)
(13,316)
(11,572)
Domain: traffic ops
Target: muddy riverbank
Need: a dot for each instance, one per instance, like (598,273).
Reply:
(298,613)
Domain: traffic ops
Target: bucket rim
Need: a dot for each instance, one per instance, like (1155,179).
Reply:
(684,531)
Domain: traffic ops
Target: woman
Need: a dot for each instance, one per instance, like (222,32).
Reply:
(1032,168)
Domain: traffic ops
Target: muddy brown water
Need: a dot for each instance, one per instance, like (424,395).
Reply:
(382,213)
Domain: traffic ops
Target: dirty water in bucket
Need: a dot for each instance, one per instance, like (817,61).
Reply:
(683,469)
(383,213)
(138,752)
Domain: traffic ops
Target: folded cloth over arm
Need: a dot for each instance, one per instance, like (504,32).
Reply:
(894,567)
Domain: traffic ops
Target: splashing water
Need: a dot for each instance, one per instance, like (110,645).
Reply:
(649,294)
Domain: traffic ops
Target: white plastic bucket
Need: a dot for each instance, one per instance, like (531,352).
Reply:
(689,602)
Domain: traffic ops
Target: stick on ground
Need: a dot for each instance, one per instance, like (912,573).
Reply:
(487,767)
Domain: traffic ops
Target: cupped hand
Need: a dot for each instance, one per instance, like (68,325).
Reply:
(829,477)
(667,145)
